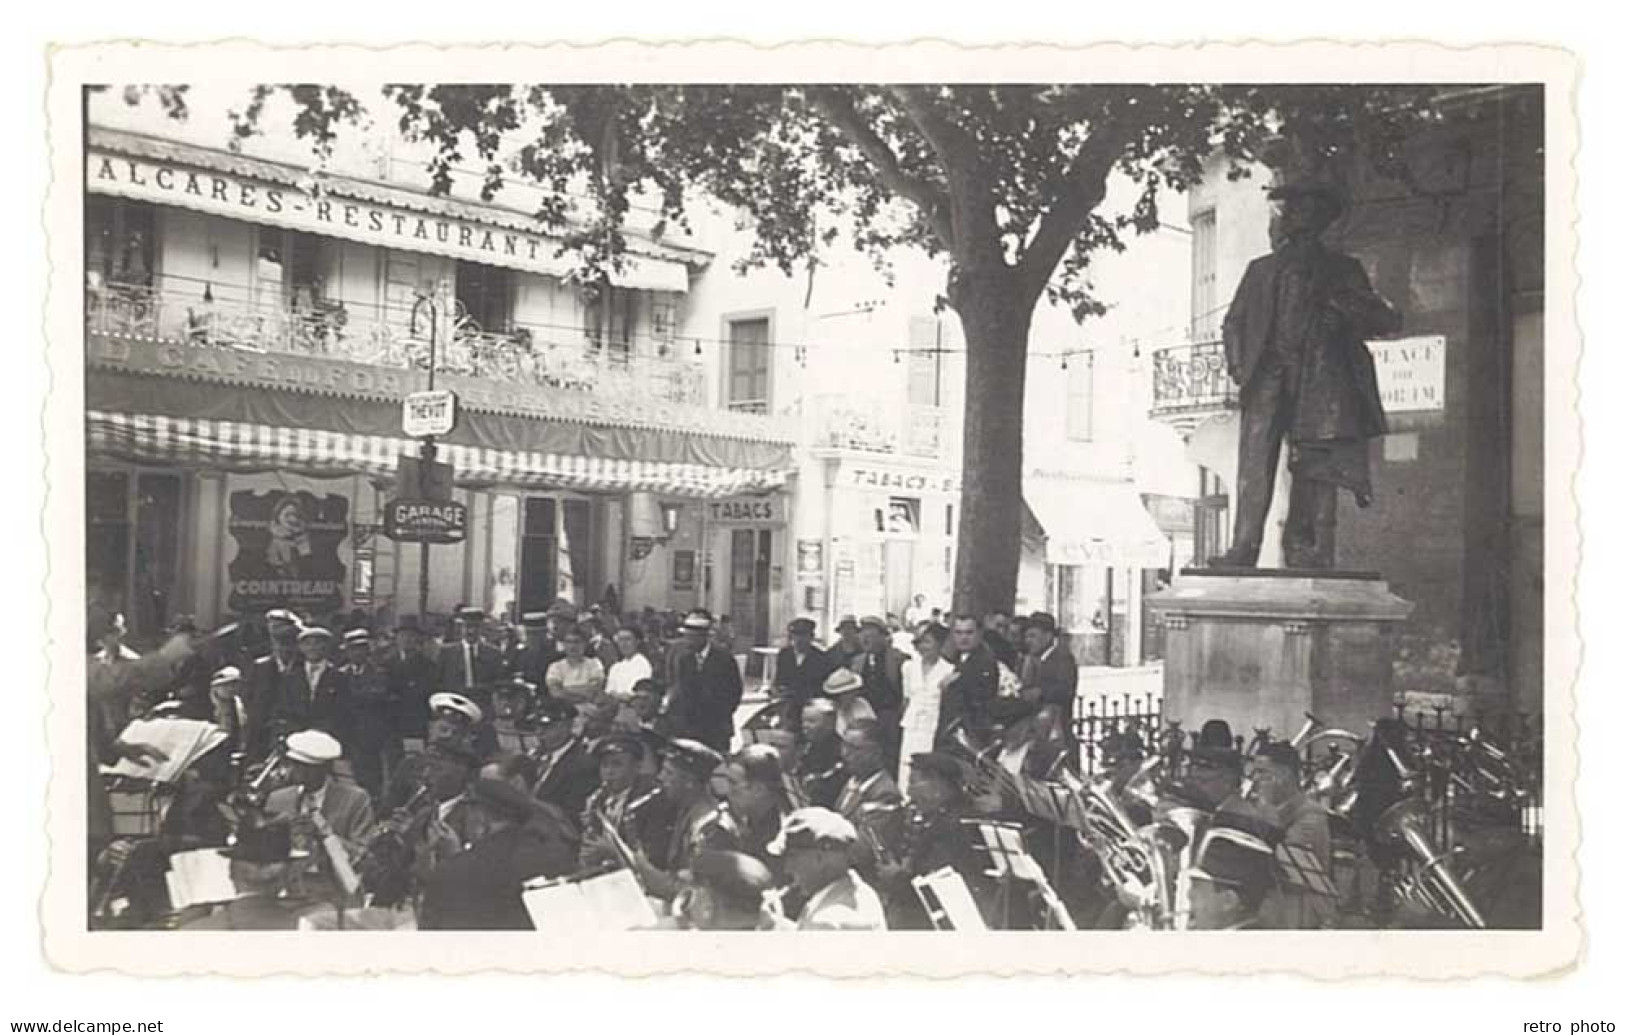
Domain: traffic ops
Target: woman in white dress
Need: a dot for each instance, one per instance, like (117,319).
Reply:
(922,695)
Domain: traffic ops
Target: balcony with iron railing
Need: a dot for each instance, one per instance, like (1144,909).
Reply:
(844,424)
(228,318)
(1189,383)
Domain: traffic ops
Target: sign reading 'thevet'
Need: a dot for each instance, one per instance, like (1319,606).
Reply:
(429,413)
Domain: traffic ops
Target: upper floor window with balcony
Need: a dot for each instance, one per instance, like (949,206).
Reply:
(289,271)
(486,292)
(1080,397)
(750,364)
(1205,315)
(611,319)
(120,241)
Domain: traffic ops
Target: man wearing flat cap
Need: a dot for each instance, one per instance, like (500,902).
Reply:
(1295,345)
(799,671)
(412,676)
(375,744)
(1303,824)
(540,648)
(315,804)
(621,801)
(816,845)
(881,666)
(567,774)
(272,679)
(481,889)
(470,666)
(317,696)
(846,646)
(1233,873)
(698,823)
(708,688)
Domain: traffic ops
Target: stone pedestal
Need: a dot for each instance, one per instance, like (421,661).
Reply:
(1259,647)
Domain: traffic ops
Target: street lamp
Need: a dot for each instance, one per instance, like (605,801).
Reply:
(439,305)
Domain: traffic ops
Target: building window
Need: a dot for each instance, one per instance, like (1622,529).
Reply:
(288,270)
(749,365)
(120,241)
(486,292)
(1080,397)
(1205,315)
(925,361)
(610,321)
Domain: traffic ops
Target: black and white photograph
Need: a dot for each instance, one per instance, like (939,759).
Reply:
(631,506)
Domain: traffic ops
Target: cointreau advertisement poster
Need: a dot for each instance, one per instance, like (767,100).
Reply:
(288,551)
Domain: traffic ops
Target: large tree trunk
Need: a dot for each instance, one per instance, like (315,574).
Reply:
(996,318)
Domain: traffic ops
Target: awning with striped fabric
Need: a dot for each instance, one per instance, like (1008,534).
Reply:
(235,446)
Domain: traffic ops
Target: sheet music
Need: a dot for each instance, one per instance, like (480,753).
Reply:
(183,740)
(199,877)
(953,898)
(612,901)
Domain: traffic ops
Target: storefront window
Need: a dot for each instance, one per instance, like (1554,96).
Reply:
(538,555)
(107,539)
(156,567)
(576,570)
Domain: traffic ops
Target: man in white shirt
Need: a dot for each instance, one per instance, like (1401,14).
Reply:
(816,845)
(632,667)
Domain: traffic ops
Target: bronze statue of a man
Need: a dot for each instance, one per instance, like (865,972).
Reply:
(1294,343)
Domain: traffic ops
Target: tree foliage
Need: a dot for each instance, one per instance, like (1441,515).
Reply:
(1006,182)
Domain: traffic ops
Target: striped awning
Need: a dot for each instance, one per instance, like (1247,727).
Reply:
(235,446)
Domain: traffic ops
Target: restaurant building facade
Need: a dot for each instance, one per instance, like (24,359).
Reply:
(251,331)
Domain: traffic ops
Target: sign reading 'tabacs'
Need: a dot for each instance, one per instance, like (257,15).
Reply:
(425,521)
(429,413)
(743,510)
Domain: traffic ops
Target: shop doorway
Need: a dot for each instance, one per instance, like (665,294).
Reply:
(899,575)
(749,591)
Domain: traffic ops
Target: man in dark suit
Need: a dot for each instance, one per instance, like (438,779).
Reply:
(799,671)
(567,773)
(968,692)
(471,666)
(1050,673)
(270,679)
(411,675)
(1294,344)
(702,704)
(881,666)
(540,649)
(315,694)
(482,889)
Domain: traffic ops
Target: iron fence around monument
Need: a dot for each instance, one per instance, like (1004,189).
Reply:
(1099,721)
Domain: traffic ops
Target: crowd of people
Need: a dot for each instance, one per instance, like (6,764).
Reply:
(400,779)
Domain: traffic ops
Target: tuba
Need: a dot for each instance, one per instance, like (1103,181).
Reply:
(1431,881)
(1132,864)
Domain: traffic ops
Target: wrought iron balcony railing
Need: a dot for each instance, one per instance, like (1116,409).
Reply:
(1189,381)
(860,426)
(226,318)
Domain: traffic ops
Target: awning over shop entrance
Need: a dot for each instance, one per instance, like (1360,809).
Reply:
(1100,524)
(236,446)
